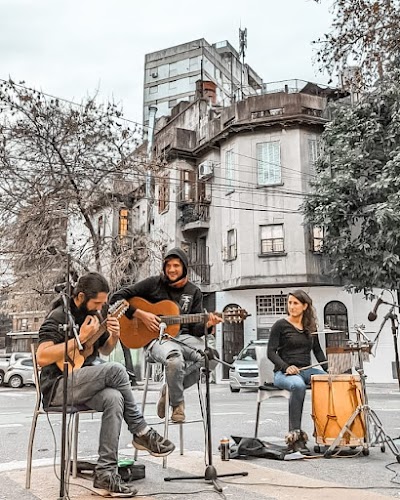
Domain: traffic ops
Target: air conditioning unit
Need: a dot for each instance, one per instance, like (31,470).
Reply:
(154,74)
(206,169)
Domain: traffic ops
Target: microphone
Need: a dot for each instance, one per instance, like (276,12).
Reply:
(372,314)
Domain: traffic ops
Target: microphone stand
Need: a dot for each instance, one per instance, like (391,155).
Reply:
(68,327)
(210,473)
(395,331)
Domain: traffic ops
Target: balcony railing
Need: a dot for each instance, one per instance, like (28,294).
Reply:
(199,273)
(194,211)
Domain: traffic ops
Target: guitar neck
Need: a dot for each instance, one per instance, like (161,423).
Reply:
(184,318)
(97,335)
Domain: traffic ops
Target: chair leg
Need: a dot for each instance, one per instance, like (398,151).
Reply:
(257,418)
(75,446)
(181,437)
(144,397)
(30,451)
(166,420)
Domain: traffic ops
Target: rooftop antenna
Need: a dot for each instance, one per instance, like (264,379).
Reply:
(242,49)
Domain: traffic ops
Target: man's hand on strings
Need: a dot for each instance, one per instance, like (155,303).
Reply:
(150,320)
(89,328)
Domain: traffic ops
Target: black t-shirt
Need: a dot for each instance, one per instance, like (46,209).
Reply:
(289,346)
(51,331)
(189,298)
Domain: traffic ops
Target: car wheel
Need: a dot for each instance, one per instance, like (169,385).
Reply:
(234,389)
(1,377)
(15,382)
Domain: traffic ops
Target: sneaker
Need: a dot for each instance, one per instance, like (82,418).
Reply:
(178,413)
(113,487)
(161,402)
(155,444)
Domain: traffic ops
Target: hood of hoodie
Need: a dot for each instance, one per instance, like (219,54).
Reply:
(182,256)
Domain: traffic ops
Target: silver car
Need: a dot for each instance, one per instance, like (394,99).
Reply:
(244,374)
(20,373)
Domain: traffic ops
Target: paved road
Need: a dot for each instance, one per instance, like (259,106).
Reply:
(232,414)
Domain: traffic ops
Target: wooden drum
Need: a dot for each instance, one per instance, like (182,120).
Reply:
(334,400)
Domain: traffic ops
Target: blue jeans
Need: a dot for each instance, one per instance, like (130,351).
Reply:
(182,364)
(297,385)
(105,388)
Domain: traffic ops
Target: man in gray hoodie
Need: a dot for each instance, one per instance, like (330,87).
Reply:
(182,362)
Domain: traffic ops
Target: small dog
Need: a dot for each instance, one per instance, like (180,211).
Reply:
(296,440)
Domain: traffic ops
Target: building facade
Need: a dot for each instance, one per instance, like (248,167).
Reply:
(230,194)
(172,75)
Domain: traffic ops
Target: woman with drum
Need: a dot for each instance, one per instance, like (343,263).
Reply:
(289,348)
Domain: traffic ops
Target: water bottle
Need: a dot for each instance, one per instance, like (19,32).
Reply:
(224,448)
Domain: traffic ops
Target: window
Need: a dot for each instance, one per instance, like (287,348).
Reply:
(172,103)
(173,69)
(172,85)
(163,193)
(231,245)
(193,63)
(267,305)
(229,170)
(188,179)
(193,79)
(269,170)
(313,154)
(153,89)
(272,239)
(123,223)
(317,239)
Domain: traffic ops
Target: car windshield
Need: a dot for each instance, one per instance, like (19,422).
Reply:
(249,353)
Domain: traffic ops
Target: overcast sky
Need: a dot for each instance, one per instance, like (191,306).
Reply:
(72,48)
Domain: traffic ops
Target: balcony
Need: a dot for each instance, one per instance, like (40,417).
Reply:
(195,216)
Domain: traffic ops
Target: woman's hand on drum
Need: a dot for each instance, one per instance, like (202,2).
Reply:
(292,370)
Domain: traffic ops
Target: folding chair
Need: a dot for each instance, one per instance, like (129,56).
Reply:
(167,422)
(266,389)
(73,411)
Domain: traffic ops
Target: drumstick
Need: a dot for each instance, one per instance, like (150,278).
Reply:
(312,366)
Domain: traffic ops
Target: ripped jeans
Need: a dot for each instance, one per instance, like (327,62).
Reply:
(182,364)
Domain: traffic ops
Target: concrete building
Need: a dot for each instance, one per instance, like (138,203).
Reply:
(175,74)
(230,192)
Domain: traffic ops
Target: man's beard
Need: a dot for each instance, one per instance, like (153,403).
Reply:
(85,311)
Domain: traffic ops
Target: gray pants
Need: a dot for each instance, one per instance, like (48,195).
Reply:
(105,388)
(182,364)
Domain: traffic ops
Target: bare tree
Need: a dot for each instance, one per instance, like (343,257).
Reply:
(59,163)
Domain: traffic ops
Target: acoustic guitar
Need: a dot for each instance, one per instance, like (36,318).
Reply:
(77,358)
(134,333)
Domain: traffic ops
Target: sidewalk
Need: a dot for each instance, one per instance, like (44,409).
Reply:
(262,482)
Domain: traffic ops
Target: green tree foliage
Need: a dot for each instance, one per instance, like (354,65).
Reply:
(365,33)
(356,193)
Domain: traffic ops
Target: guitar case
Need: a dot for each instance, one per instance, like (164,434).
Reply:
(244,447)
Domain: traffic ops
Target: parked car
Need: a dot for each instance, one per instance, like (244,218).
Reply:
(244,374)
(9,359)
(20,373)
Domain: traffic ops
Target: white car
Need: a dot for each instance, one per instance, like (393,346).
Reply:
(244,373)
(20,373)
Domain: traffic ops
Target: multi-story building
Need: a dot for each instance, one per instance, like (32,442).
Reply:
(172,75)
(230,193)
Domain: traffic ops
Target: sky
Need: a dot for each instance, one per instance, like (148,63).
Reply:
(78,48)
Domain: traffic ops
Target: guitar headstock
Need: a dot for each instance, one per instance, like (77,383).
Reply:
(235,315)
(119,308)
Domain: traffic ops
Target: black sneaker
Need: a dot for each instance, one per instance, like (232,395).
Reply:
(155,444)
(113,486)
